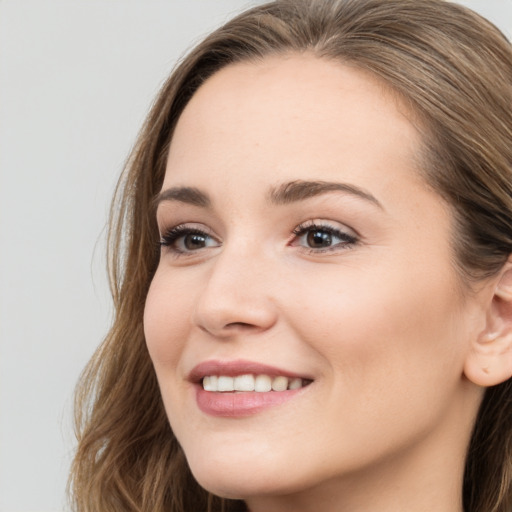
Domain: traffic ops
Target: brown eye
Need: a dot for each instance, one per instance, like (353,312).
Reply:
(183,239)
(194,241)
(318,239)
(323,238)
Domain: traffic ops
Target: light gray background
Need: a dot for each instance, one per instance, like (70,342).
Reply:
(76,79)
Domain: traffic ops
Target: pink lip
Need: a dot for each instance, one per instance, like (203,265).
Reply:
(239,404)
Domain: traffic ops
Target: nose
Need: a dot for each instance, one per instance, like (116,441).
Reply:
(237,296)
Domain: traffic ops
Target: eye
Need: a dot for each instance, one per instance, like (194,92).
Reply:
(184,239)
(322,237)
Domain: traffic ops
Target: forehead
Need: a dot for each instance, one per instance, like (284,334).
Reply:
(292,117)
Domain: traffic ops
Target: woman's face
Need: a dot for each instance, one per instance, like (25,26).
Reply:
(301,247)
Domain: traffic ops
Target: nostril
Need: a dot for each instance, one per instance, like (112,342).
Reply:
(233,326)
(239,325)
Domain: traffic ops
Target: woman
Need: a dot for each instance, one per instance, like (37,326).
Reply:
(327,322)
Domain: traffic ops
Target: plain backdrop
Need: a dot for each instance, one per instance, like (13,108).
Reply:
(76,79)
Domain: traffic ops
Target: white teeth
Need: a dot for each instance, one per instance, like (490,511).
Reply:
(262,383)
(225,384)
(207,386)
(295,384)
(244,383)
(258,383)
(280,383)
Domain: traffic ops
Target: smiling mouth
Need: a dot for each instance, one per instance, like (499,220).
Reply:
(251,383)
(241,388)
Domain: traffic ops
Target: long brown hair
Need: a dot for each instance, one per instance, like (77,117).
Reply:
(454,69)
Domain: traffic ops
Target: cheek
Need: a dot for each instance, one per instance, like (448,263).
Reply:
(166,316)
(373,328)
(392,357)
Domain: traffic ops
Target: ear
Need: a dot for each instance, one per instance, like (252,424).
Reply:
(489,360)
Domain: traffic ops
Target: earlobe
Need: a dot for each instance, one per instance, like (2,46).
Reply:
(489,361)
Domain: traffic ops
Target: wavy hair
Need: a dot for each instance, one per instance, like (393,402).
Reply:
(454,69)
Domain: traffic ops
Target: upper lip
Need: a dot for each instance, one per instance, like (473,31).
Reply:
(238,367)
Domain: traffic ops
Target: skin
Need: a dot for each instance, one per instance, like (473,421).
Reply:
(382,326)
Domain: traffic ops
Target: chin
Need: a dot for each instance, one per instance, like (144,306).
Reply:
(241,476)
(234,482)
(235,486)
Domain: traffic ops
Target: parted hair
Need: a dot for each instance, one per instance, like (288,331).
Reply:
(453,69)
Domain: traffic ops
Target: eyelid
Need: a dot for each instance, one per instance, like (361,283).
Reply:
(348,236)
(328,225)
(168,237)
(166,227)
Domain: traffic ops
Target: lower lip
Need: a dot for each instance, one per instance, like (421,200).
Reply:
(232,405)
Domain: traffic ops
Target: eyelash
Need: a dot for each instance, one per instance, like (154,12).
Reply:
(170,238)
(347,240)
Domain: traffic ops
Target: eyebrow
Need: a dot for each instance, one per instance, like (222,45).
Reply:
(189,195)
(299,190)
(286,193)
